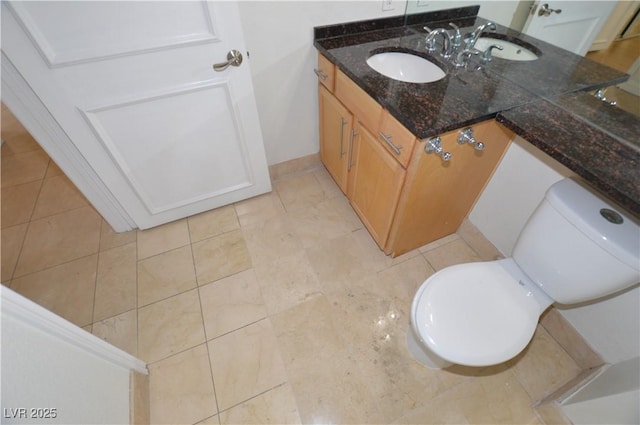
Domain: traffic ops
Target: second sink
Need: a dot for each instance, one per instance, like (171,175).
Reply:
(511,51)
(405,67)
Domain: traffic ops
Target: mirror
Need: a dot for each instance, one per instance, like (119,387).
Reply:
(512,13)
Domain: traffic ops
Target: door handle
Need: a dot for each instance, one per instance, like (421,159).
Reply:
(234,58)
(545,10)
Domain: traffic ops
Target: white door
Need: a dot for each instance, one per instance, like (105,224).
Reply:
(133,86)
(572,25)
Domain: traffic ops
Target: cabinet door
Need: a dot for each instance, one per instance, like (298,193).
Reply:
(376,180)
(336,123)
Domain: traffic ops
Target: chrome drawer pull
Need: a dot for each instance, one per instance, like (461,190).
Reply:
(389,142)
(342,123)
(321,74)
(354,133)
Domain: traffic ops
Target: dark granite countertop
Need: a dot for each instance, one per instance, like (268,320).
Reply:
(544,100)
(596,155)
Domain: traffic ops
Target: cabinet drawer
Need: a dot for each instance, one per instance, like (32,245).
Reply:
(364,107)
(396,139)
(326,72)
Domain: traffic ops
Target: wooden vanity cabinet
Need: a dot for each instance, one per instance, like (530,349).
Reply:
(353,153)
(438,195)
(405,197)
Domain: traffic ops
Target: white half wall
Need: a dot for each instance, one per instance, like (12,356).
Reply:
(610,325)
(612,397)
(514,191)
(56,373)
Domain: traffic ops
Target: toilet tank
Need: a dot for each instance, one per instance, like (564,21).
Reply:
(577,246)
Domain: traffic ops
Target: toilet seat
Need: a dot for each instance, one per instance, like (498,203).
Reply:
(476,314)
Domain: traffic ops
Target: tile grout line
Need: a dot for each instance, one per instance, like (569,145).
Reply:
(138,315)
(254,397)
(268,317)
(95,281)
(54,266)
(26,231)
(204,330)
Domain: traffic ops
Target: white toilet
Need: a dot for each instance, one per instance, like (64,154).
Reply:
(575,247)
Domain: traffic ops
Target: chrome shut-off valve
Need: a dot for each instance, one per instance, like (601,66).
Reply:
(434,146)
(466,136)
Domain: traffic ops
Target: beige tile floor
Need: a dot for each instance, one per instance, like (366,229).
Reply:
(275,310)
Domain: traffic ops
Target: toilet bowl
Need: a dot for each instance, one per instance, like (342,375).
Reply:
(575,247)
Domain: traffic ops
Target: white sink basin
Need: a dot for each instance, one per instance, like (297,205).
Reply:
(511,51)
(405,67)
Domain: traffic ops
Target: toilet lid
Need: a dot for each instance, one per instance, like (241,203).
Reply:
(475,314)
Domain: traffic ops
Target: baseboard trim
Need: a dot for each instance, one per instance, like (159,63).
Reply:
(139,402)
(570,340)
(295,166)
(549,409)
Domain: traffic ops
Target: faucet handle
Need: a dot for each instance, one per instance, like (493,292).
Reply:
(486,56)
(430,42)
(434,146)
(456,40)
(463,57)
(466,136)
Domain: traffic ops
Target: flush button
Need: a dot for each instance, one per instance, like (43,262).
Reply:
(611,216)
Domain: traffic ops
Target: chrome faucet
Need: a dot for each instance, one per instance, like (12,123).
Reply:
(471,38)
(430,41)
(456,39)
(464,56)
(486,56)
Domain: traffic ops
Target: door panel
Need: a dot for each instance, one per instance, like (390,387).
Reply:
(157,171)
(574,28)
(132,84)
(110,29)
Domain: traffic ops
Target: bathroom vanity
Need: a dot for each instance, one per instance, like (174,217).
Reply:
(403,153)
(401,193)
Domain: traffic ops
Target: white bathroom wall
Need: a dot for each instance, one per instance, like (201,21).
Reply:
(55,373)
(279,37)
(612,325)
(500,12)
